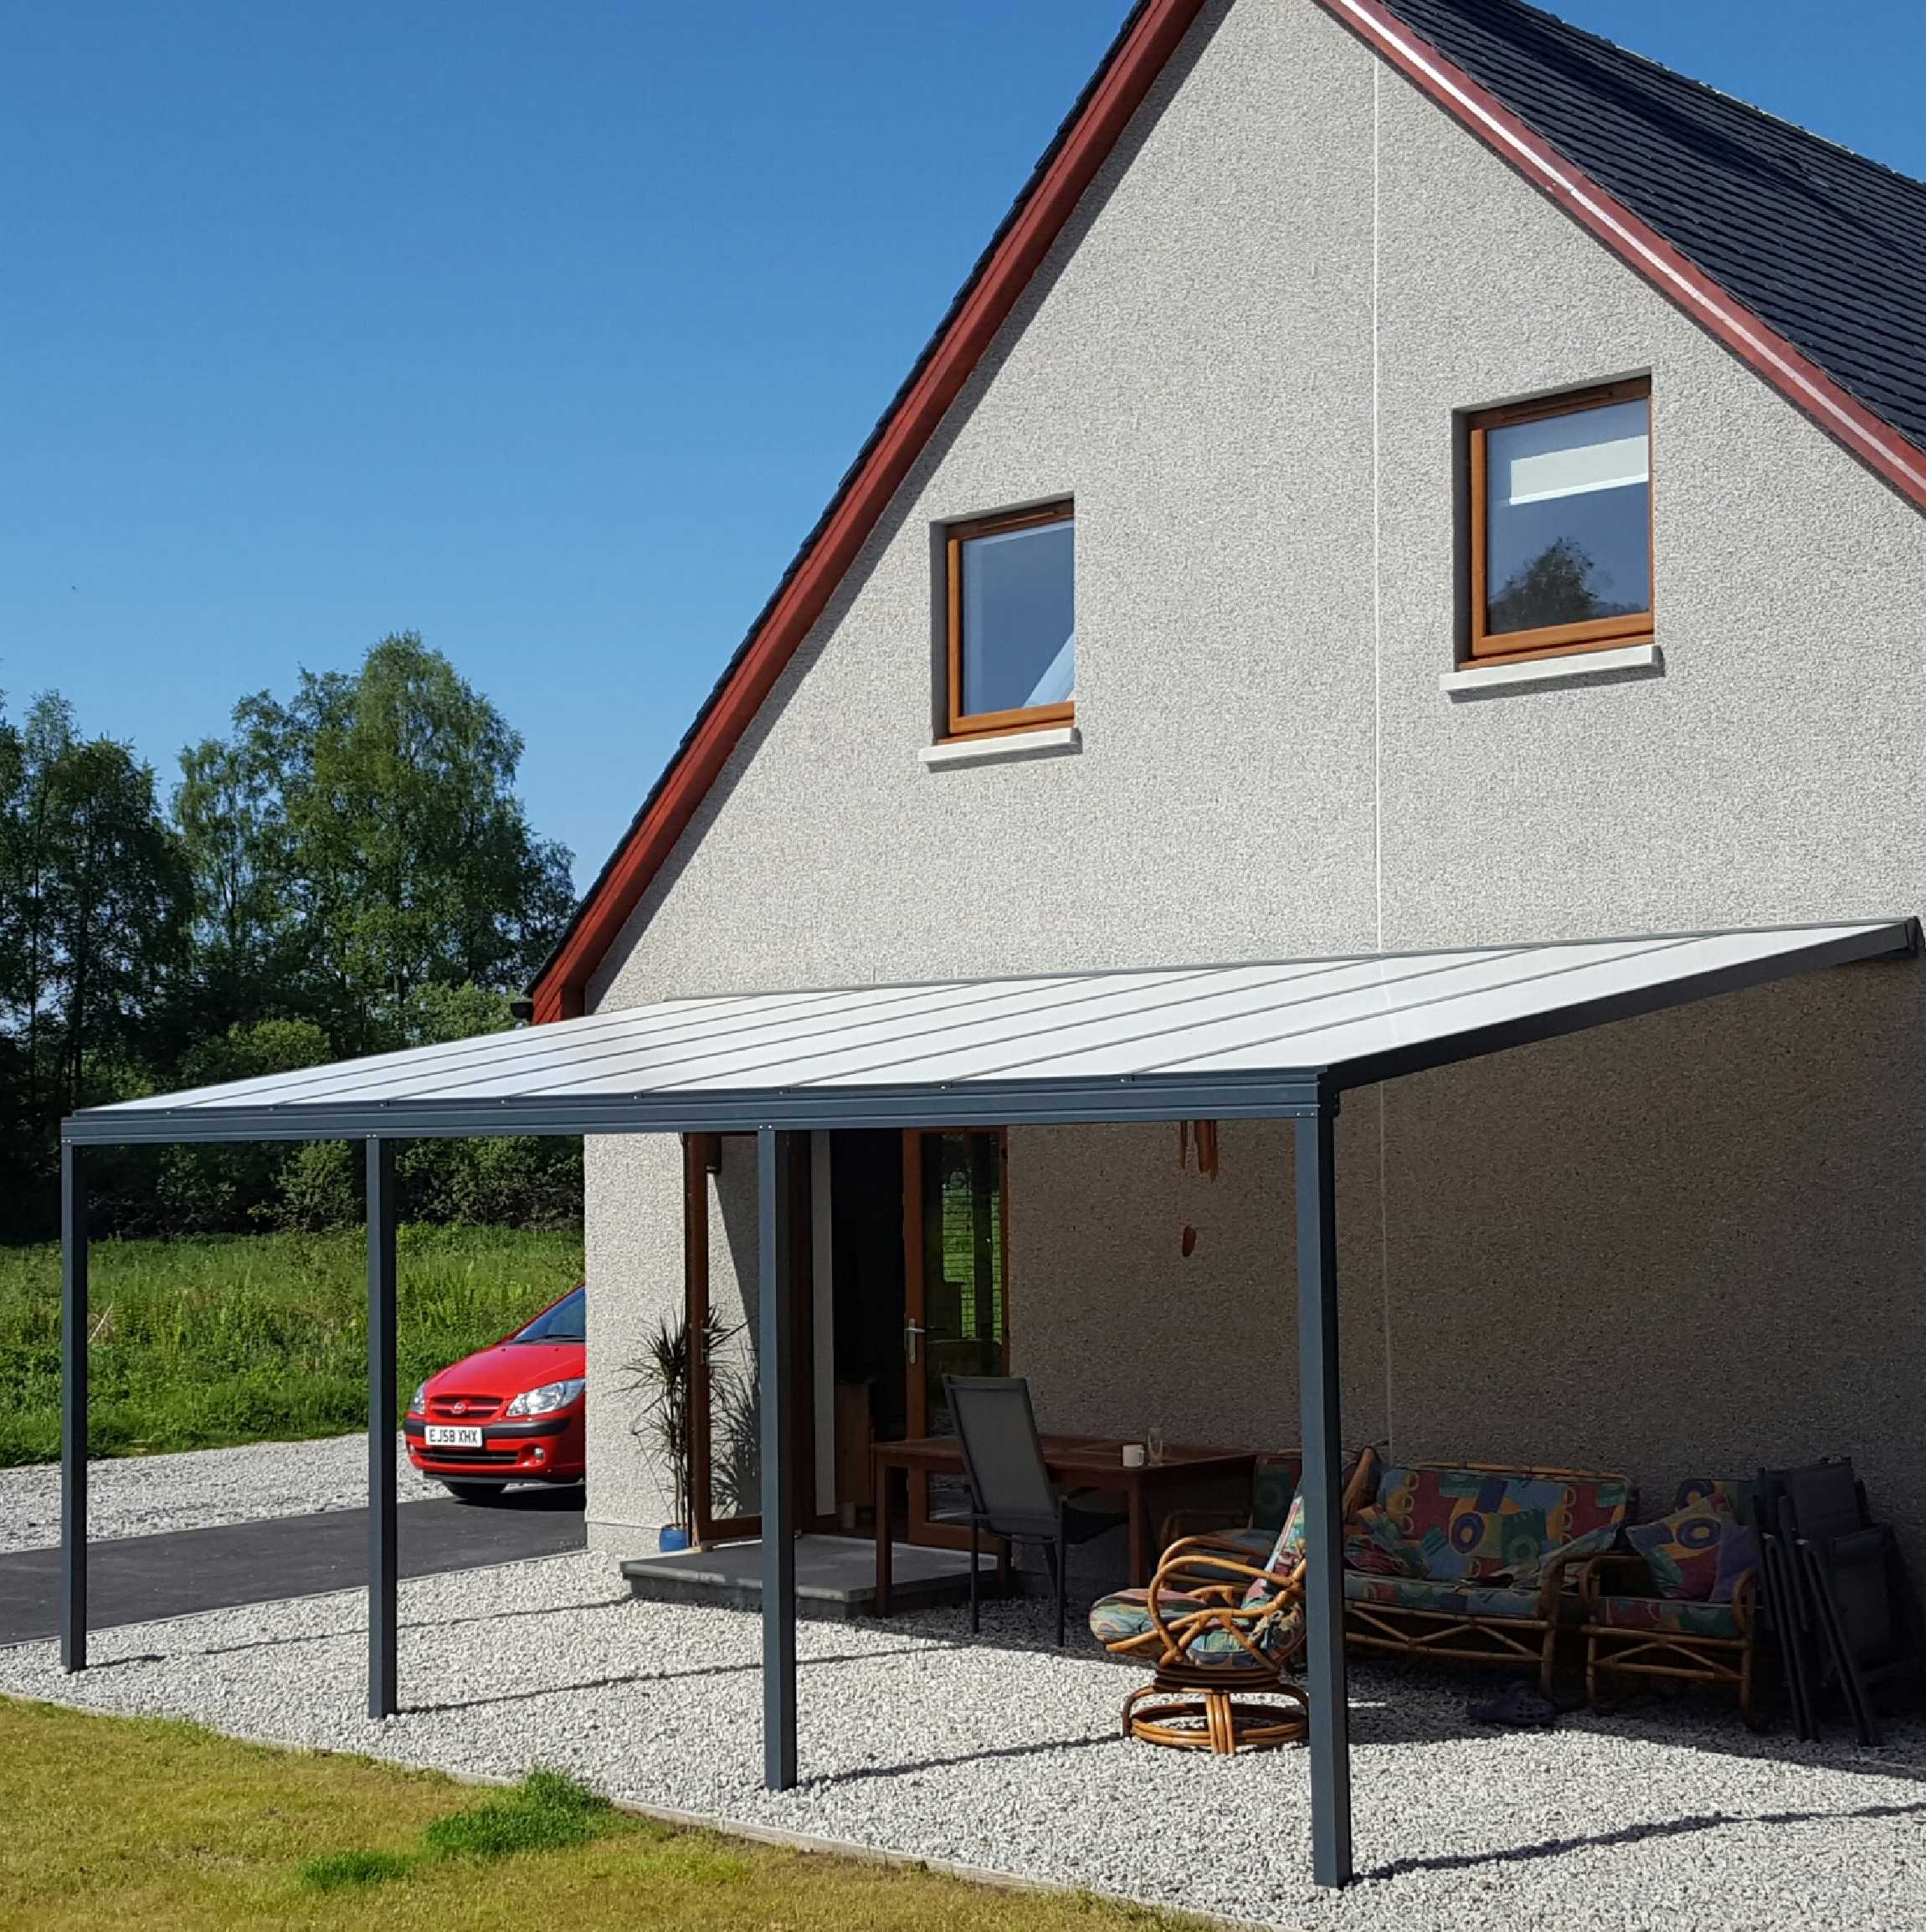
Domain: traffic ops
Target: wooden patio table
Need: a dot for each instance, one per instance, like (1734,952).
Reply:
(1074,1462)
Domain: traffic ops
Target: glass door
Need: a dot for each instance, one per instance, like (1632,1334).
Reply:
(956,1307)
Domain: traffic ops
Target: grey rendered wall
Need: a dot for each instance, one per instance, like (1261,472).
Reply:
(634,1191)
(1244,360)
(1686,1245)
(636,1266)
(1117,1329)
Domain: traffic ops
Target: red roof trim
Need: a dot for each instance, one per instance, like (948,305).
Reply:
(1872,440)
(1147,44)
(1140,57)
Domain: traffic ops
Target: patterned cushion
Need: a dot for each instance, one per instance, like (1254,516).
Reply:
(1681,1550)
(1738,1558)
(1715,1493)
(1374,1545)
(1678,1616)
(1593,1543)
(1286,1552)
(1476,1525)
(1277,1636)
(1453,1600)
(1125,1613)
(1738,1545)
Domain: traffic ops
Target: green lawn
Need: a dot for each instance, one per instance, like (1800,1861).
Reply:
(218,1339)
(116,1823)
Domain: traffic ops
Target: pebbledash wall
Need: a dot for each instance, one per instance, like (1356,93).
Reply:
(1690,1241)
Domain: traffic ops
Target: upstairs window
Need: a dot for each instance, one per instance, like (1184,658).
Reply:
(1012,621)
(1561,523)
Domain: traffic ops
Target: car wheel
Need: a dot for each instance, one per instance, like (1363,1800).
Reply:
(475,1492)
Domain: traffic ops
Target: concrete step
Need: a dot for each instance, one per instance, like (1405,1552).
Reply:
(836,1576)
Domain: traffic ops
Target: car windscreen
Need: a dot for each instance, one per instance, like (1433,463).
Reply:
(566,1321)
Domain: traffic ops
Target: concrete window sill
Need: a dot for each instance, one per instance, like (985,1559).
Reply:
(1006,748)
(1631,660)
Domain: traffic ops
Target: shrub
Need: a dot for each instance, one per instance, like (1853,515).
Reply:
(317,1189)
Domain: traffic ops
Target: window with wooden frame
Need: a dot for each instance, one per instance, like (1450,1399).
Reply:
(1012,605)
(1561,523)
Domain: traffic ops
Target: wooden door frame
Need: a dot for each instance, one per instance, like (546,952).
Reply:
(916,1310)
(701,1155)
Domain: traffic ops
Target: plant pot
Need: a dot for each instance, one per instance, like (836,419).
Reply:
(671,1538)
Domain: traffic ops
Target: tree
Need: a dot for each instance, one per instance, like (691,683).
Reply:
(348,870)
(233,823)
(371,825)
(93,902)
(97,891)
(1555,587)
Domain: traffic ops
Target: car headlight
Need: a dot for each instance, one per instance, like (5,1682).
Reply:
(418,1402)
(548,1398)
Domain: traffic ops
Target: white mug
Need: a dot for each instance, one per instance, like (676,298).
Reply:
(1133,1457)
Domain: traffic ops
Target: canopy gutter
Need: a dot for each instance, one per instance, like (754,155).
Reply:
(1225,1096)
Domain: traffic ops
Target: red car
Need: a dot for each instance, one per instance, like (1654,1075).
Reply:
(508,1414)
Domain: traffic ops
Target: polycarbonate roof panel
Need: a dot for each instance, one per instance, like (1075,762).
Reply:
(1351,1020)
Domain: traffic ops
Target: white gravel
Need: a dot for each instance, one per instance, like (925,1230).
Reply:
(144,1495)
(1003,1754)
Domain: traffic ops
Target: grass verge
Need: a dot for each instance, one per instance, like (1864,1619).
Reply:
(119,1821)
(215,1339)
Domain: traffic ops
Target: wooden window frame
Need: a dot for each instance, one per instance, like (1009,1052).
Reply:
(1553,639)
(960,723)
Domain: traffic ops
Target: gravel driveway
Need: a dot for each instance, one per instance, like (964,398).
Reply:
(1003,1754)
(145,1495)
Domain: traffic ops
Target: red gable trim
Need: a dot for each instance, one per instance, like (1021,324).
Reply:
(1146,45)
(1872,440)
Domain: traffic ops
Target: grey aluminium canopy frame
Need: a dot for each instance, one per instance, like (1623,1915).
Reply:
(1279,1039)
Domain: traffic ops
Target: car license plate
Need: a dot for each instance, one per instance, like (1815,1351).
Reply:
(448,1436)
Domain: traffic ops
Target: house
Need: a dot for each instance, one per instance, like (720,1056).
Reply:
(1407,475)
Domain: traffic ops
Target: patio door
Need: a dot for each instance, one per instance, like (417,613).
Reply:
(956,1293)
(720,1282)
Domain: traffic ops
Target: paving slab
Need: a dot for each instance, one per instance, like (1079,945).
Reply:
(836,1576)
(140,1578)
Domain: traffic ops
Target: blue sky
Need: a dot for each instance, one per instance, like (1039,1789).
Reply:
(544,330)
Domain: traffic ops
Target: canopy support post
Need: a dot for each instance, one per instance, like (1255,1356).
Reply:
(1323,1499)
(73,1411)
(382,1619)
(776,1322)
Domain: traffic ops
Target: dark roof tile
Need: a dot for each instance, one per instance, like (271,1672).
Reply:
(1825,246)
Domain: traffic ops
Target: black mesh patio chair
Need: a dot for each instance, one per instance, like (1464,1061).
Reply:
(1011,1494)
(1856,1606)
(1781,1605)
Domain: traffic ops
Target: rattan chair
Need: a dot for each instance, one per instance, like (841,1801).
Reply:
(1218,1629)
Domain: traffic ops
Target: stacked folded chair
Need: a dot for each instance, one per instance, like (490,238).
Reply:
(1836,1594)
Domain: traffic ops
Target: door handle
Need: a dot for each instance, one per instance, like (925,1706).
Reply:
(911,1331)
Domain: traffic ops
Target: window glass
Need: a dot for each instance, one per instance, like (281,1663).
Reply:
(1018,619)
(568,1321)
(1568,526)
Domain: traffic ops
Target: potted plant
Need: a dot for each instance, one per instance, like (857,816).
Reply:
(662,1377)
